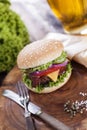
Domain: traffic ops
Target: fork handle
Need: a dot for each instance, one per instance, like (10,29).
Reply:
(30,125)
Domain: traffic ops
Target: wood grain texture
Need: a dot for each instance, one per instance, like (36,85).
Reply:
(12,115)
(12,77)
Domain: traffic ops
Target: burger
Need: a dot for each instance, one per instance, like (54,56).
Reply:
(44,64)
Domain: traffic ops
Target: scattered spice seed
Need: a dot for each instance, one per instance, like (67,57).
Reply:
(76,107)
(83,94)
(81,111)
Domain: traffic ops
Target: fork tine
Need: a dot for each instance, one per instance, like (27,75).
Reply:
(25,90)
(22,90)
(19,89)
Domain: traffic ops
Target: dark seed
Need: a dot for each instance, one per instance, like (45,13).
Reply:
(67,110)
(68,102)
(65,105)
(81,111)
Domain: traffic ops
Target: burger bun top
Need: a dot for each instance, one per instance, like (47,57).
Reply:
(38,53)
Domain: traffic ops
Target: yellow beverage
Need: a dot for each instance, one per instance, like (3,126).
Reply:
(72,13)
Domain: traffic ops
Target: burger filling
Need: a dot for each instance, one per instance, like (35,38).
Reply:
(47,75)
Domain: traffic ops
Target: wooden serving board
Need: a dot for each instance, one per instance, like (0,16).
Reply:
(11,115)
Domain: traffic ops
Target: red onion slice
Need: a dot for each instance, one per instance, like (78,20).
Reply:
(52,68)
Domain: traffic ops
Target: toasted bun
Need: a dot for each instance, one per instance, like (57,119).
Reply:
(38,53)
(51,89)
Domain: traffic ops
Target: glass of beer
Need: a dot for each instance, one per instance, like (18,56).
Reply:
(72,14)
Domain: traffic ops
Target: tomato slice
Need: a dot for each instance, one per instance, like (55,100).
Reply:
(51,69)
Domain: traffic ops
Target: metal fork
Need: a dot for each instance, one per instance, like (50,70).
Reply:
(24,99)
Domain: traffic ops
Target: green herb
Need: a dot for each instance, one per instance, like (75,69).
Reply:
(6,2)
(13,36)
